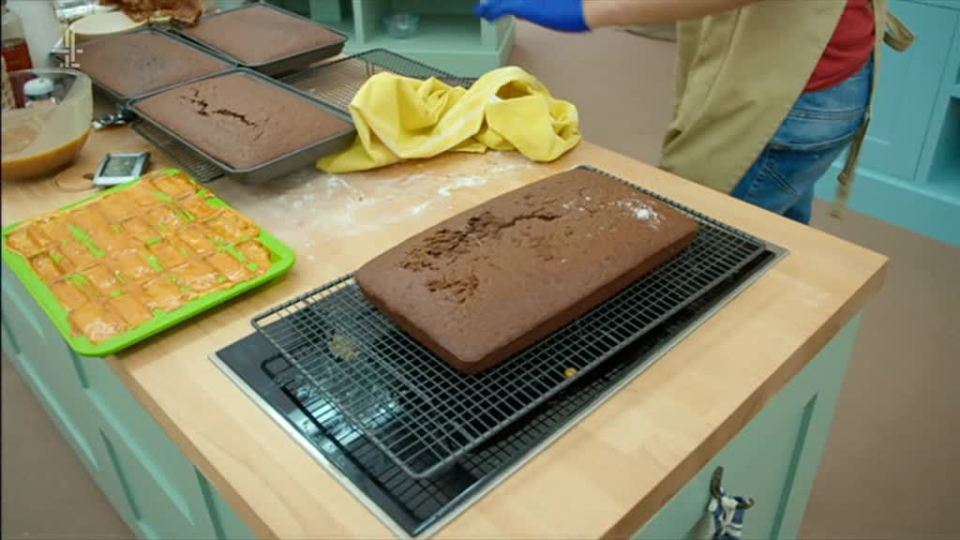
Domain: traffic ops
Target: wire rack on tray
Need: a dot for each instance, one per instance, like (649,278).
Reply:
(336,82)
(199,167)
(423,413)
(424,500)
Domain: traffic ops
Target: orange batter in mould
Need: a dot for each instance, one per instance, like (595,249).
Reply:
(177,186)
(103,296)
(198,238)
(228,266)
(96,322)
(142,194)
(69,294)
(256,253)
(131,309)
(118,208)
(132,264)
(163,294)
(22,243)
(198,276)
(198,206)
(164,216)
(88,218)
(78,254)
(139,229)
(232,227)
(110,241)
(168,253)
(44,266)
(56,228)
(38,236)
(65,265)
(103,279)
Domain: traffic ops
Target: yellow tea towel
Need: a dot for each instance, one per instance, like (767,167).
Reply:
(401,118)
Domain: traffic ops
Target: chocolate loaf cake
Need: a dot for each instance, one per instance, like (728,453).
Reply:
(241,120)
(139,63)
(490,282)
(258,34)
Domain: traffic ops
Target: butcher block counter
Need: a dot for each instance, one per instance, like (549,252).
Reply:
(181,451)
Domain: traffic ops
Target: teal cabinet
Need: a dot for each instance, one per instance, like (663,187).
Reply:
(161,495)
(774,459)
(450,37)
(34,346)
(909,172)
(908,91)
(151,484)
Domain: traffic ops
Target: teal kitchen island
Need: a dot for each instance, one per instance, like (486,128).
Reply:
(182,452)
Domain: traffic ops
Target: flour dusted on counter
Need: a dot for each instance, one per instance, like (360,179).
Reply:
(309,207)
(461,183)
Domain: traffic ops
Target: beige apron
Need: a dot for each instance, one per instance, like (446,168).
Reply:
(738,75)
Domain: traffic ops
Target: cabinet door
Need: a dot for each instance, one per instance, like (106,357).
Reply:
(774,458)
(49,366)
(907,91)
(161,484)
(160,507)
(225,520)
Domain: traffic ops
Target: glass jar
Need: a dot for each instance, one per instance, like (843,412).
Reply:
(15,50)
(9,101)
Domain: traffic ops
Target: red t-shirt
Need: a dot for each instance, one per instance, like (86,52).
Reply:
(848,49)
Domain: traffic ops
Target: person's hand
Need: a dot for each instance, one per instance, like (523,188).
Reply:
(563,15)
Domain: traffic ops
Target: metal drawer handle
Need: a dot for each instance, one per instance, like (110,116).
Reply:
(717,480)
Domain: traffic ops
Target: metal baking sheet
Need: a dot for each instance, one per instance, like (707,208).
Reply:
(277,166)
(121,99)
(282,65)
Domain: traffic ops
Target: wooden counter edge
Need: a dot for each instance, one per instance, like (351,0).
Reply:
(651,502)
(646,507)
(656,499)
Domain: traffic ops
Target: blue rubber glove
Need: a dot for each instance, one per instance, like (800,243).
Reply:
(563,15)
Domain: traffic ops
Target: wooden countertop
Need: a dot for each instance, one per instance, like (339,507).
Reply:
(608,475)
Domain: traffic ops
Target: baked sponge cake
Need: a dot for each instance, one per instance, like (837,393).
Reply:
(491,281)
(242,120)
(257,35)
(141,62)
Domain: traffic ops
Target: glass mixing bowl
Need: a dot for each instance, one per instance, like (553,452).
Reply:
(47,136)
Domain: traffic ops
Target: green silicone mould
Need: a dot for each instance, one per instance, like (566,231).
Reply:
(282,258)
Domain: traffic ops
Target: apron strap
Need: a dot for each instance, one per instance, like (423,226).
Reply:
(899,38)
(848,174)
(897,35)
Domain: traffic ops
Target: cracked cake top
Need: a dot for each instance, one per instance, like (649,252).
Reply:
(241,120)
(487,283)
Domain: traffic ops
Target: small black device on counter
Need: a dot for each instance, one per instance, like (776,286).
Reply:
(120,167)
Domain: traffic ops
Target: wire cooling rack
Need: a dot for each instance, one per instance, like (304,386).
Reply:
(199,167)
(335,83)
(423,413)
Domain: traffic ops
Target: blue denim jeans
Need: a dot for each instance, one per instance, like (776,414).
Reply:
(814,133)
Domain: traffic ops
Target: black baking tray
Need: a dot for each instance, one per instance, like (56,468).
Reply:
(423,413)
(277,166)
(282,65)
(121,99)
